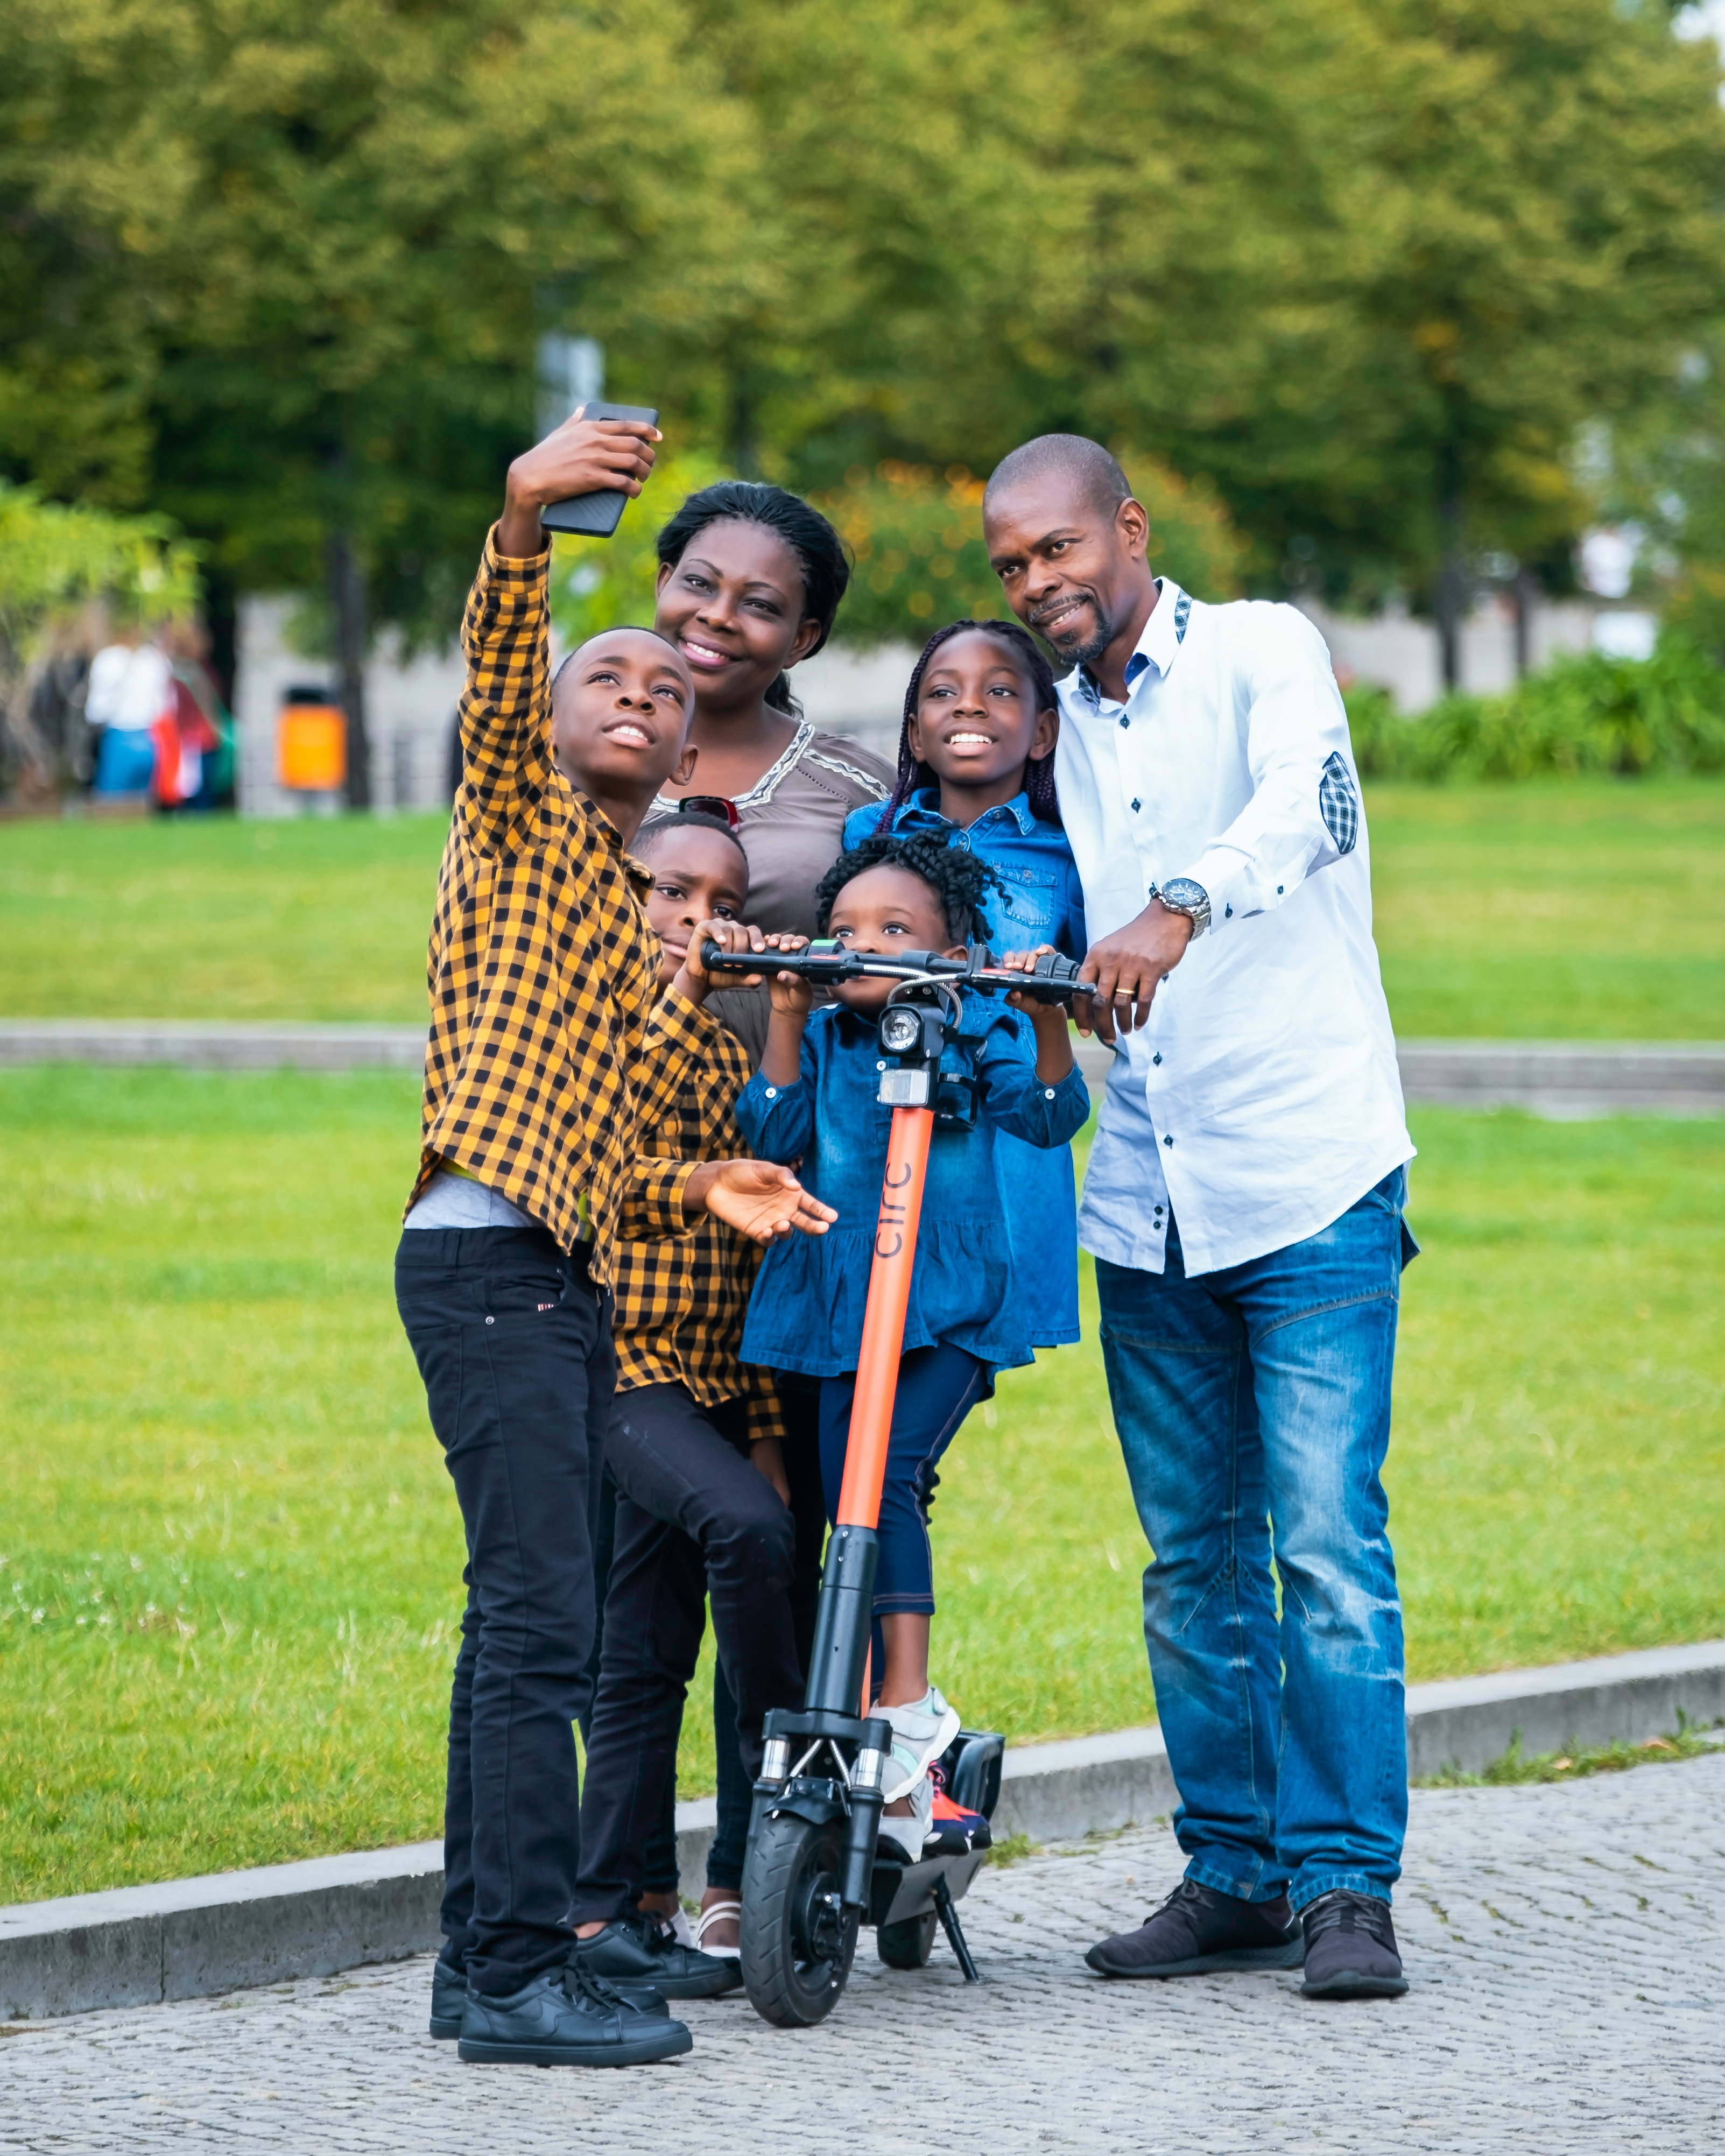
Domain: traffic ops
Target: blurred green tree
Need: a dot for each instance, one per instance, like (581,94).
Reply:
(916,538)
(278,267)
(281,266)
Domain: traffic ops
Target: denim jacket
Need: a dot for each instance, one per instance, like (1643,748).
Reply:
(806,1313)
(1043,904)
(1044,901)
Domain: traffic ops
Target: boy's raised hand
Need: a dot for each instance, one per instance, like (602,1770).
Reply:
(757,1197)
(582,456)
(694,981)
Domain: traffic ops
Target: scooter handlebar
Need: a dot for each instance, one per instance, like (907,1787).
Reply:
(1053,979)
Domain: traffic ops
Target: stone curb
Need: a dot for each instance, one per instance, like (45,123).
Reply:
(194,1938)
(1556,1078)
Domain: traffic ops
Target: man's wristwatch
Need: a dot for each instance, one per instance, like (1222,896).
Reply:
(1186,894)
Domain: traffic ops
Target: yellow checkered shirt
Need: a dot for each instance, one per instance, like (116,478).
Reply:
(681,1303)
(549,1049)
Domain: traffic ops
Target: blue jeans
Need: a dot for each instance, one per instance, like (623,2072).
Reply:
(938,1387)
(1253,1408)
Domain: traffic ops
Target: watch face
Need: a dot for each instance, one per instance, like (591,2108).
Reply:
(1184,891)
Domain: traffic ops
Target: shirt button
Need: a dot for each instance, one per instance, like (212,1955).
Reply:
(1157,1058)
(1278,890)
(1168,1140)
(1048,1093)
(772,1092)
(1137,805)
(1126,721)
(490,1320)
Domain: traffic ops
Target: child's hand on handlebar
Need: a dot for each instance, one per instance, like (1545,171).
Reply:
(757,1197)
(790,996)
(1053,1042)
(693,982)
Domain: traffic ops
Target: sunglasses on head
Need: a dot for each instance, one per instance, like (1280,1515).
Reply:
(711,805)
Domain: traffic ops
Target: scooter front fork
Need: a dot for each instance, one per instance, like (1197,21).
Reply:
(844,1781)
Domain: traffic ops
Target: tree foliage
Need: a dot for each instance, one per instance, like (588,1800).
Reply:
(277,267)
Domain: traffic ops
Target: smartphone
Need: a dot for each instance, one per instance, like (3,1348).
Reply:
(594,516)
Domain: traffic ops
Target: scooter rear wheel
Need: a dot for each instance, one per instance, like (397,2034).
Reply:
(908,1943)
(798,1940)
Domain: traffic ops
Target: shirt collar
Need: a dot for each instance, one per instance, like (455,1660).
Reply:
(1163,635)
(925,802)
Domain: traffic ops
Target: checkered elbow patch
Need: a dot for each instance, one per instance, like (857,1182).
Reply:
(1340,803)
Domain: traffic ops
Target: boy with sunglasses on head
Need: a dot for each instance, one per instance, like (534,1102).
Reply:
(550,1049)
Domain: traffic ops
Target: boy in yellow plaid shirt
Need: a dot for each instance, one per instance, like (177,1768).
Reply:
(551,1052)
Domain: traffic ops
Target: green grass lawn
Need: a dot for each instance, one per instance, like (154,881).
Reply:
(1563,909)
(1588,910)
(229,1560)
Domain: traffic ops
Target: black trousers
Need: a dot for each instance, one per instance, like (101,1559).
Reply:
(693,1517)
(808,1510)
(736,1789)
(514,1344)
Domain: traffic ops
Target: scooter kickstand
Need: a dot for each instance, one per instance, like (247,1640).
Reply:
(947,1911)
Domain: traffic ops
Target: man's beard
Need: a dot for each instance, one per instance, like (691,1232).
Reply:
(1092,649)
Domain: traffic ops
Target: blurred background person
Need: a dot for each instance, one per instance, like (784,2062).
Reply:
(131,692)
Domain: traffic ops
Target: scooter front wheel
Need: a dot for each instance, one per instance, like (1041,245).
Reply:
(797,1937)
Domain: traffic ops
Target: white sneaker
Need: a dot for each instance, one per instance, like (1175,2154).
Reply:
(921,1732)
(910,1830)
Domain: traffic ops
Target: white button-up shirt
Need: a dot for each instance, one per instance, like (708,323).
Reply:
(1263,1097)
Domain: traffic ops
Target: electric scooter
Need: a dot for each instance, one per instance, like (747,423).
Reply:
(815,1871)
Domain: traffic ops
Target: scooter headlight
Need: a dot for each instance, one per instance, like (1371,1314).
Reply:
(901,1029)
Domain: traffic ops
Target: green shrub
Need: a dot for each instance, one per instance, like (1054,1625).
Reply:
(1588,713)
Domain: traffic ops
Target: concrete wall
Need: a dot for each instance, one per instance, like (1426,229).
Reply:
(412,706)
(411,709)
(1399,654)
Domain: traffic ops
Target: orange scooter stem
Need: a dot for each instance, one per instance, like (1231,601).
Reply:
(884,1319)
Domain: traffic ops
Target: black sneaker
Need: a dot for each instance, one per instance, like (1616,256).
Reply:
(448,2000)
(568,2017)
(635,1950)
(1350,1948)
(1196,1930)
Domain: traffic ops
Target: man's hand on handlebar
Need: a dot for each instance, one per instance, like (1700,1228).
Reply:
(1129,966)
(757,1197)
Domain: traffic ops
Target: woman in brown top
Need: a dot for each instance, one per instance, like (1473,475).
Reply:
(750,579)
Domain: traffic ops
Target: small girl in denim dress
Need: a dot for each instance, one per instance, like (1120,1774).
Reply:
(973,1307)
(976,762)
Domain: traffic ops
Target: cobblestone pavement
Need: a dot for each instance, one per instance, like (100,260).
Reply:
(1567,1948)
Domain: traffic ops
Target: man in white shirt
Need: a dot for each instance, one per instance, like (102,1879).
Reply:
(1244,1204)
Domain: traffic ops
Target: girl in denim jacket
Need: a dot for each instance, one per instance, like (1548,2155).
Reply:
(976,772)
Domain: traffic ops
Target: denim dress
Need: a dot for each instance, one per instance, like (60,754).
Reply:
(967,1289)
(1043,903)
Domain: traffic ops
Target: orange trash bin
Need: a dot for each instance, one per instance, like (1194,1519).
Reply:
(311,745)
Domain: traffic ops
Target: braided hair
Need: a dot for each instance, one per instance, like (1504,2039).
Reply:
(1038,771)
(957,877)
(819,549)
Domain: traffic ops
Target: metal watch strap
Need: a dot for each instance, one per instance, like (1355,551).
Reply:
(1197,911)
